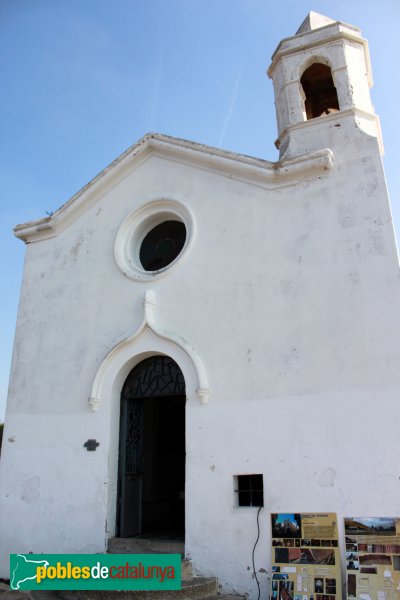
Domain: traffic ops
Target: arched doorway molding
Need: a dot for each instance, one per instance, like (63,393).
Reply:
(148,340)
(124,356)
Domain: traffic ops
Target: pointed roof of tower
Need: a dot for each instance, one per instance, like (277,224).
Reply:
(314,20)
(317,29)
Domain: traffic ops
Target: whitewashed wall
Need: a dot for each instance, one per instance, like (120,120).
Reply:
(290,295)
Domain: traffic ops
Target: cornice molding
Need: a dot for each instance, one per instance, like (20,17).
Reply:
(322,36)
(253,170)
(366,121)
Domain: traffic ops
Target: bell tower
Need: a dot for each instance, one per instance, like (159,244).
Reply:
(322,76)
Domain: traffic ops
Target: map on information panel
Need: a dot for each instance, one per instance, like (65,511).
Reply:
(373,558)
(305,557)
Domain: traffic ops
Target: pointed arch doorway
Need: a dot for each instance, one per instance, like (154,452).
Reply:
(151,477)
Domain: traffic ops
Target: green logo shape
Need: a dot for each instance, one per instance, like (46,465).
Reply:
(95,571)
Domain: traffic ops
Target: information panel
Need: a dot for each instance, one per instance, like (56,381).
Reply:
(373,558)
(305,557)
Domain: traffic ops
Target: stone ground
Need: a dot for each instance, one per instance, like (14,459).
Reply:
(197,588)
(7,594)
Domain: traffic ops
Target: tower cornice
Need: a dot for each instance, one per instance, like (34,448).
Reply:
(320,37)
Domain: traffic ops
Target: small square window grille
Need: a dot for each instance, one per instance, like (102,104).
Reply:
(249,490)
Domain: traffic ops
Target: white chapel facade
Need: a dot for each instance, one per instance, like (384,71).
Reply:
(194,320)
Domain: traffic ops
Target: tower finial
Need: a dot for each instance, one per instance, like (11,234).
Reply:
(312,21)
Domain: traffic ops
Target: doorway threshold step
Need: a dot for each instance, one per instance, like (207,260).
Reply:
(146,545)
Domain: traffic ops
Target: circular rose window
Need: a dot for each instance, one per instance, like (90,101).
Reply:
(162,245)
(152,239)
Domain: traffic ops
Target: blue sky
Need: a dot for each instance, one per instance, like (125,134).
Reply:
(84,79)
(385,522)
(282,517)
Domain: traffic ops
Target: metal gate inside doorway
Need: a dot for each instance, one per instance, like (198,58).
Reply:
(151,482)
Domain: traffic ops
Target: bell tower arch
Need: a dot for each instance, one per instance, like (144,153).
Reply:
(321,73)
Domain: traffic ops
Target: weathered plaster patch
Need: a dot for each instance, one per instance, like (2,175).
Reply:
(298,244)
(377,245)
(346,216)
(75,248)
(327,477)
(354,277)
(304,449)
(286,285)
(30,489)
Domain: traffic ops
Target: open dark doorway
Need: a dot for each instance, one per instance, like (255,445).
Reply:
(151,482)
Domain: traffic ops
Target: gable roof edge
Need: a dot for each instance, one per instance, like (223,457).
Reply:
(243,166)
